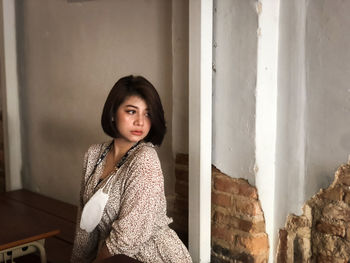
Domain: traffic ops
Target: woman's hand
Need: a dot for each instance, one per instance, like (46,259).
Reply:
(102,254)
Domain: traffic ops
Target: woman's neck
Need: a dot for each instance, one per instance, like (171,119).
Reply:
(120,147)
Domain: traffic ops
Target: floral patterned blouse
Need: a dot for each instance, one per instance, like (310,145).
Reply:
(134,221)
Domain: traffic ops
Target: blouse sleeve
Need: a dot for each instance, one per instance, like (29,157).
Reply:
(85,244)
(142,201)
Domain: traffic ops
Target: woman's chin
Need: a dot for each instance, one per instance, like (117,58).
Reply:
(135,138)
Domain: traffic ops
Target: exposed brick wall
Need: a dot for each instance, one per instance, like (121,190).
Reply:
(322,233)
(179,211)
(238,226)
(2,161)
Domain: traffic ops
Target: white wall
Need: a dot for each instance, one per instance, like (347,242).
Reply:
(9,97)
(327,91)
(314,96)
(313,100)
(291,112)
(70,55)
(180,75)
(234,83)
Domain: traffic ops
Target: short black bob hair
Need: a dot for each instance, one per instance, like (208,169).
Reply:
(140,87)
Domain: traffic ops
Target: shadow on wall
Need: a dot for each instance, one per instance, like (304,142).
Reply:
(54,149)
(64,134)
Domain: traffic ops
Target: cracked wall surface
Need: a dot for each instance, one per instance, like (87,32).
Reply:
(238,224)
(322,233)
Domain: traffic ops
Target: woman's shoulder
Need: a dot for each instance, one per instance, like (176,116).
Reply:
(146,150)
(144,154)
(95,149)
(145,163)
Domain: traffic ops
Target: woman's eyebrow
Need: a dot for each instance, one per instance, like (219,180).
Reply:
(133,106)
(129,105)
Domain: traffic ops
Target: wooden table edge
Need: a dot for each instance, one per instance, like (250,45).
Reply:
(29,239)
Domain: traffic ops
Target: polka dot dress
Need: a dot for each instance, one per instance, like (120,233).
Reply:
(134,221)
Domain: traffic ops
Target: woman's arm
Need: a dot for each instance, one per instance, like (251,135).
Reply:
(85,244)
(142,202)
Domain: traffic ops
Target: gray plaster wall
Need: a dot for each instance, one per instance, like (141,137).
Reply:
(313,132)
(291,112)
(328,91)
(313,101)
(70,55)
(234,84)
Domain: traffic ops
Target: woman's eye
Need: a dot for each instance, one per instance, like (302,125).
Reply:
(131,111)
(148,115)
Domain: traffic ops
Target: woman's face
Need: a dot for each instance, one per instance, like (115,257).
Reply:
(133,120)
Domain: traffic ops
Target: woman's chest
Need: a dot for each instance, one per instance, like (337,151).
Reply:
(113,185)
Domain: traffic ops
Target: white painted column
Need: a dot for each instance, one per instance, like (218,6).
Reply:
(200,128)
(266,113)
(10,100)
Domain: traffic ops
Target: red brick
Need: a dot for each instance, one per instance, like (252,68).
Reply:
(344,174)
(226,184)
(262,258)
(282,246)
(245,225)
(247,207)
(181,189)
(255,245)
(345,181)
(220,218)
(246,189)
(325,259)
(2,160)
(332,229)
(347,198)
(347,227)
(181,174)
(223,233)
(333,211)
(345,169)
(181,204)
(215,170)
(239,224)
(180,222)
(251,227)
(222,251)
(181,158)
(335,193)
(295,222)
(221,199)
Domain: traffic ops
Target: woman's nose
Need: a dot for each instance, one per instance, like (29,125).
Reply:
(139,120)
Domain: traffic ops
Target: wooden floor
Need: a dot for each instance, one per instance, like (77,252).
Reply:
(58,248)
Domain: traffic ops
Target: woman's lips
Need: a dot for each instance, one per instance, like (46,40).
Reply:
(136,133)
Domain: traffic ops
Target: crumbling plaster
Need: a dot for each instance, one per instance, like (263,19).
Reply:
(313,102)
(312,114)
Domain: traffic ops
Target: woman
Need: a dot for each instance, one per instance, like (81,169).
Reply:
(122,201)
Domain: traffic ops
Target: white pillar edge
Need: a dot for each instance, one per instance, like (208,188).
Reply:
(200,128)
(10,100)
(266,113)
